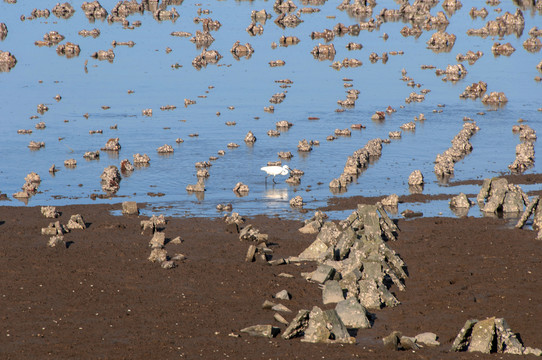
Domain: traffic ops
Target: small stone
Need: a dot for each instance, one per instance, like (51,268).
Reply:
(353,314)
(280,308)
(392,340)
(283,295)
(158,240)
(427,339)
(76,222)
(268,331)
(332,292)
(322,273)
(268,305)
(55,241)
(158,255)
(130,208)
(278,317)
(297,326)
(168,265)
(482,336)
(49,212)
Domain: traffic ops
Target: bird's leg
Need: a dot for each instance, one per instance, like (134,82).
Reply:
(274,182)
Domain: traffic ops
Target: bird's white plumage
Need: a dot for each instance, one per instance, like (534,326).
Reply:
(276,170)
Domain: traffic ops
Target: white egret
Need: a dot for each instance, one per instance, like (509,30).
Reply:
(275,170)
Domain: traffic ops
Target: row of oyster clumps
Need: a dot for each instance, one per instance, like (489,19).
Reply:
(525,149)
(444,163)
(355,268)
(356,163)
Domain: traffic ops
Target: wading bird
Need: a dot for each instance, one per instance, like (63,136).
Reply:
(275,170)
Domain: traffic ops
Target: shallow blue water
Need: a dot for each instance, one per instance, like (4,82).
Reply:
(247,85)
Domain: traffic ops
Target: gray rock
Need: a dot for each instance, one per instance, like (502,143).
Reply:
(54,229)
(370,219)
(384,216)
(460,201)
(373,270)
(278,317)
(158,255)
(130,208)
(349,282)
(391,200)
(49,212)
(268,331)
(408,343)
(482,336)
(283,295)
(326,327)
(329,234)
(267,305)
(533,205)
(76,222)
(310,228)
(353,314)
(339,331)
(158,240)
(392,340)
(176,241)
(461,341)
(317,329)
(387,297)
(322,273)
(415,178)
(513,202)
(332,292)
(369,295)
(495,201)
(251,252)
(427,339)
(507,341)
(280,308)
(345,241)
(168,265)
(537,220)
(484,192)
(297,326)
(532,351)
(57,240)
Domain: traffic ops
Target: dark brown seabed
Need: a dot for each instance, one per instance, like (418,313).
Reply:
(102,298)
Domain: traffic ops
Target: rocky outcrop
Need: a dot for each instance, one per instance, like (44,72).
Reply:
(497,195)
(492,335)
(441,42)
(506,24)
(94,10)
(64,11)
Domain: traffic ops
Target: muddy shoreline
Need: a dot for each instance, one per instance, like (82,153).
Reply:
(101,297)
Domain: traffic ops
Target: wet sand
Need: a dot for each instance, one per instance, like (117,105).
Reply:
(102,298)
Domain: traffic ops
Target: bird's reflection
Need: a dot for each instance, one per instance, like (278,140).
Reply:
(271,193)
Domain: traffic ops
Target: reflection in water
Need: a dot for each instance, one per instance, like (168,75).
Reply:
(460,211)
(415,189)
(151,87)
(276,195)
(200,195)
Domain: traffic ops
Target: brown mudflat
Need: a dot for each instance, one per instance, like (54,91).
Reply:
(102,298)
